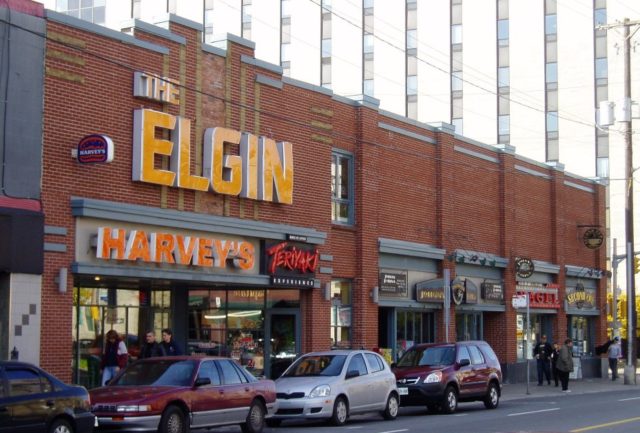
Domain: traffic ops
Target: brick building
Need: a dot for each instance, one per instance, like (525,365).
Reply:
(260,217)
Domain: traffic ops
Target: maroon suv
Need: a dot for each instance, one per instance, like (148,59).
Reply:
(439,375)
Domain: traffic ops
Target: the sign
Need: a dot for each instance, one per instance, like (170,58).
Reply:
(392,284)
(160,247)
(160,89)
(296,238)
(458,290)
(581,298)
(540,295)
(593,238)
(524,267)
(291,265)
(519,301)
(430,291)
(94,149)
(492,291)
(262,169)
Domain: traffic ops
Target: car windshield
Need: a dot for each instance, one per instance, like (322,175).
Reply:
(431,356)
(320,365)
(157,373)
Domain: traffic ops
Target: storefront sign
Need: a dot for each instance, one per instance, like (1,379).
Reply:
(430,291)
(540,295)
(458,290)
(94,149)
(392,284)
(593,238)
(581,298)
(524,267)
(263,169)
(291,265)
(492,291)
(152,247)
(155,88)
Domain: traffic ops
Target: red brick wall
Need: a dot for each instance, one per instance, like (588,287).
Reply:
(406,189)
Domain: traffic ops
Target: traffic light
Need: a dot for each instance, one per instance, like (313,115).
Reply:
(636,265)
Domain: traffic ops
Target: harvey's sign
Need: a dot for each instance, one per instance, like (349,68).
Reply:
(262,169)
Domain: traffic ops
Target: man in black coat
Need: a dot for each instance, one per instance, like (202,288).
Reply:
(151,348)
(542,352)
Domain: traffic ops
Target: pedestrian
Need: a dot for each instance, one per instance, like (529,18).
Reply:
(555,353)
(151,348)
(169,344)
(614,353)
(565,363)
(114,356)
(542,352)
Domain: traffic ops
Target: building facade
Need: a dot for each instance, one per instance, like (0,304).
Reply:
(261,217)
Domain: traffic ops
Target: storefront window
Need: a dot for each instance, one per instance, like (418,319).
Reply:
(538,324)
(468,326)
(283,299)
(581,333)
(97,310)
(341,314)
(412,328)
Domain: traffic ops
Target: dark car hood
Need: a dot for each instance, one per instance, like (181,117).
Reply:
(423,370)
(109,394)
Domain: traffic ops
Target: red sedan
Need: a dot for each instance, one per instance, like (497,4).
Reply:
(178,393)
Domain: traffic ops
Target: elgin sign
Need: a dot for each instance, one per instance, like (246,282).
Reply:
(263,170)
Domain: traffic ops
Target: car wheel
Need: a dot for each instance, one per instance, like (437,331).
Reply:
(173,421)
(391,409)
(450,402)
(273,422)
(255,418)
(340,412)
(493,397)
(60,426)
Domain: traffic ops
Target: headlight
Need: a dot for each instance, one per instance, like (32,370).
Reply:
(133,408)
(320,391)
(434,377)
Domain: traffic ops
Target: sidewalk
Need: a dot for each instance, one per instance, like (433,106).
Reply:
(513,391)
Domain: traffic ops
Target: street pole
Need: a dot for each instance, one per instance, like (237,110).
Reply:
(614,283)
(630,369)
(527,348)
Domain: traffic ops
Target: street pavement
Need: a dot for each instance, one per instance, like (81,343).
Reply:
(513,391)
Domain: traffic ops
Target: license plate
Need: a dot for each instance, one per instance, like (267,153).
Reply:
(403,391)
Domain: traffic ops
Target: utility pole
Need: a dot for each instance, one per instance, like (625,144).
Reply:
(630,368)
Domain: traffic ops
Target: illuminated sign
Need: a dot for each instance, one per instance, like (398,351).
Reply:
(540,295)
(155,88)
(263,170)
(581,298)
(430,291)
(291,265)
(152,247)
(95,148)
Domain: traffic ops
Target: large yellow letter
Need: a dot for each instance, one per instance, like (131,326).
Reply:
(224,171)
(275,164)
(146,146)
(181,158)
(249,154)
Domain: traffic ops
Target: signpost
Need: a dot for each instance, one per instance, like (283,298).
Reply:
(522,301)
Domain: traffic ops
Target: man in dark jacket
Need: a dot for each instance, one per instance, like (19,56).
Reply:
(151,348)
(542,353)
(169,344)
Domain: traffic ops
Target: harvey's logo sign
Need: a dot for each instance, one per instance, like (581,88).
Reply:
(261,170)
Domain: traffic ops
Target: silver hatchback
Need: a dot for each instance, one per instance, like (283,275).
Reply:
(335,384)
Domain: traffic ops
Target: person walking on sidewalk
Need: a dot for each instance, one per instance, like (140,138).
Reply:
(565,364)
(555,353)
(614,353)
(542,353)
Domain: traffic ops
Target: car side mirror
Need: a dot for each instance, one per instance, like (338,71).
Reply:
(201,381)
(352,373)
(464,362)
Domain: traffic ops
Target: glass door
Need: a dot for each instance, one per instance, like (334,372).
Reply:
(283,340)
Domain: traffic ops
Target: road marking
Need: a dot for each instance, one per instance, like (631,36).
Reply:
(632,398)
(533,411)
(609,424)
(461,414)
(395,431)
(355,427)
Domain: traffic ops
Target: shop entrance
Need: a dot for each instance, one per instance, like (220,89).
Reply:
(283,338)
